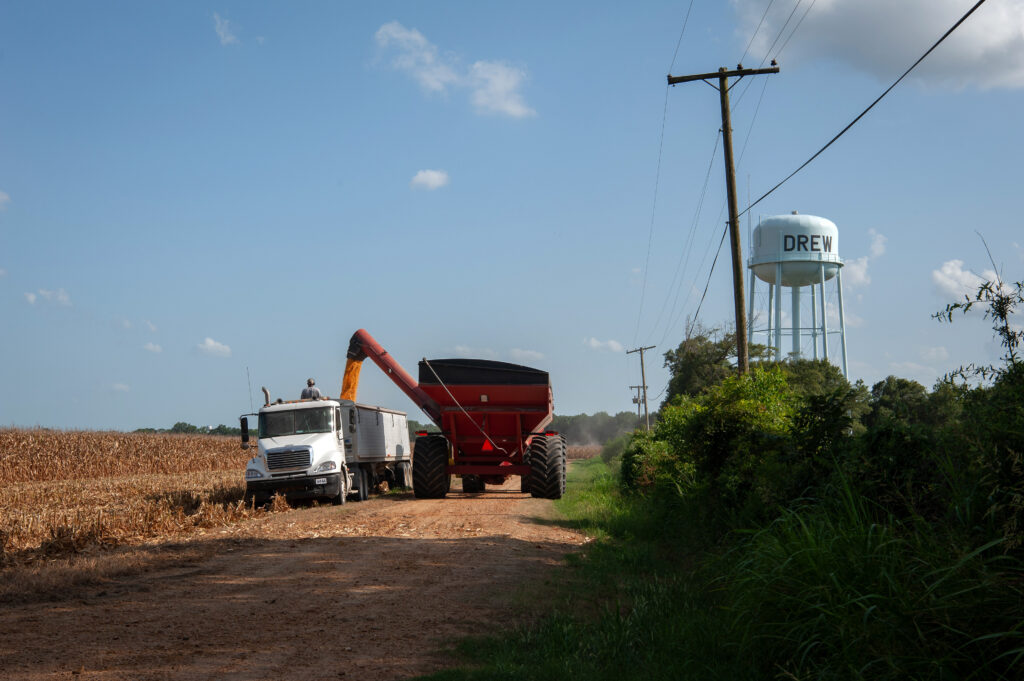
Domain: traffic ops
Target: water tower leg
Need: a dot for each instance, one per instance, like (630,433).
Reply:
(796,322)
(778,312)
(750,312)
(842,319)
(771,313)
(824,320)
(814,322)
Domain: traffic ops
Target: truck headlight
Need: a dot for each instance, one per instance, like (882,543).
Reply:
(252,474)
(325,466)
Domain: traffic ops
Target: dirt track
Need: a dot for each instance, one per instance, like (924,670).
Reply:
(364,591)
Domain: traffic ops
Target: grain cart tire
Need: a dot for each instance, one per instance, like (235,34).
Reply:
(363,480)
(430,479)
(472,483)
(547,467)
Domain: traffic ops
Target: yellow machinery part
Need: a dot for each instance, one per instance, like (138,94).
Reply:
(350,383)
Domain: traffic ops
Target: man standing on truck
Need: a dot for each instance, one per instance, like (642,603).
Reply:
(311,392)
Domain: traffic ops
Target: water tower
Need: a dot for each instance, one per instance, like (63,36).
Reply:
(797,252)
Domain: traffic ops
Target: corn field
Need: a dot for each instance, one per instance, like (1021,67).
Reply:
(71,491)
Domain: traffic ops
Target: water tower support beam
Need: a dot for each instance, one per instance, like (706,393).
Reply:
(750,312)
(796,322)
(778,312)
(771,312)
(814,322)
(824,321)
(842,319)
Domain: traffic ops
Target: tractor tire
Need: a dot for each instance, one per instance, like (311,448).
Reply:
(472,484)
(430,479)
(547,467)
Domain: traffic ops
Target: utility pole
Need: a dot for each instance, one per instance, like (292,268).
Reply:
(636,400)
(723,76)
(643,380)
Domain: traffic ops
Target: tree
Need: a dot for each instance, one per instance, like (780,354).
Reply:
(704,359)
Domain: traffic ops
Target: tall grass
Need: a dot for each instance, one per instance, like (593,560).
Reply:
(832,590)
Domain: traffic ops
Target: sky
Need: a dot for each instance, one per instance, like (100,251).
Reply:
(199,199)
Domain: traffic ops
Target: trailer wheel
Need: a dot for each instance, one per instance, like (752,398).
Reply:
(403,478)
(363,480)
(547,467)
(430,479)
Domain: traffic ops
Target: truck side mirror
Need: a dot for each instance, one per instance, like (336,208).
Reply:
(351,420)
(244,423)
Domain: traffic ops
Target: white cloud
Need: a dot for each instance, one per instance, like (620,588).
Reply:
(151,326)
(937,354)
(953,281)
(126,324)
(855,272)
(120,387)
(494,85)
(3,272)
(156,349)
(877,243)
(224,31)
(468,352)
(5,199)
(594,344)
(213,348)
(496,89)
(429,179)
(883,38)
(525,355)
(918,372)
(58,297)
(417,56)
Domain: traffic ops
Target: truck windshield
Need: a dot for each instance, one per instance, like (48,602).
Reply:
(297,422)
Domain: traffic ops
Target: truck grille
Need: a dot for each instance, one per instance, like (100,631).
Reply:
(288,458)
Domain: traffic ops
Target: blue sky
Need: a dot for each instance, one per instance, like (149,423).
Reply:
(193,194)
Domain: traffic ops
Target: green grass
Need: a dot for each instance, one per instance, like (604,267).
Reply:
(827,591)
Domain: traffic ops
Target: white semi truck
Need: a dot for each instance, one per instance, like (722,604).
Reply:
(325,449)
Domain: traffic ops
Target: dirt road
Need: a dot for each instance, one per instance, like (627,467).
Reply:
(363,591)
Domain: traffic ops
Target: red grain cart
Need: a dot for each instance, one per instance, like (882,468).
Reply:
(491,415)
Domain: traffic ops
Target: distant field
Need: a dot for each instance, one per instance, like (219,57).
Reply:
(67,491)
(583,451)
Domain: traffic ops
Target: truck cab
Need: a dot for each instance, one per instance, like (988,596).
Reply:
(300,452)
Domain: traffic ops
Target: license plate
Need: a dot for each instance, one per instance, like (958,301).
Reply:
(321,481)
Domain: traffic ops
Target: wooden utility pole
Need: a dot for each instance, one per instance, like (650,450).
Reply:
(637,401)
(643,380)
(723,76)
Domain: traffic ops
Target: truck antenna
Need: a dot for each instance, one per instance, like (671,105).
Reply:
(251,408)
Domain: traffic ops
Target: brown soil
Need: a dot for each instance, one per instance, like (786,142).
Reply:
(372,590)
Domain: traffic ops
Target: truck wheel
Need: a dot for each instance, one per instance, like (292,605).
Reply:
(342,491)
(364,485)
(472,483)
(547,467)
(430,479)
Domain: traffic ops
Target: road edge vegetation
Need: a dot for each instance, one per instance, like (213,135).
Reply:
(788,525)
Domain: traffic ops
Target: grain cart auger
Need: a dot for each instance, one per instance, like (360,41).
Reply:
(491,416)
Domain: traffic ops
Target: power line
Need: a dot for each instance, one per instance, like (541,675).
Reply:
(657,177)
(685,251)
(679,42)
(796,28)
(654,207)
(864,113)
(756,30)
(712,271)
